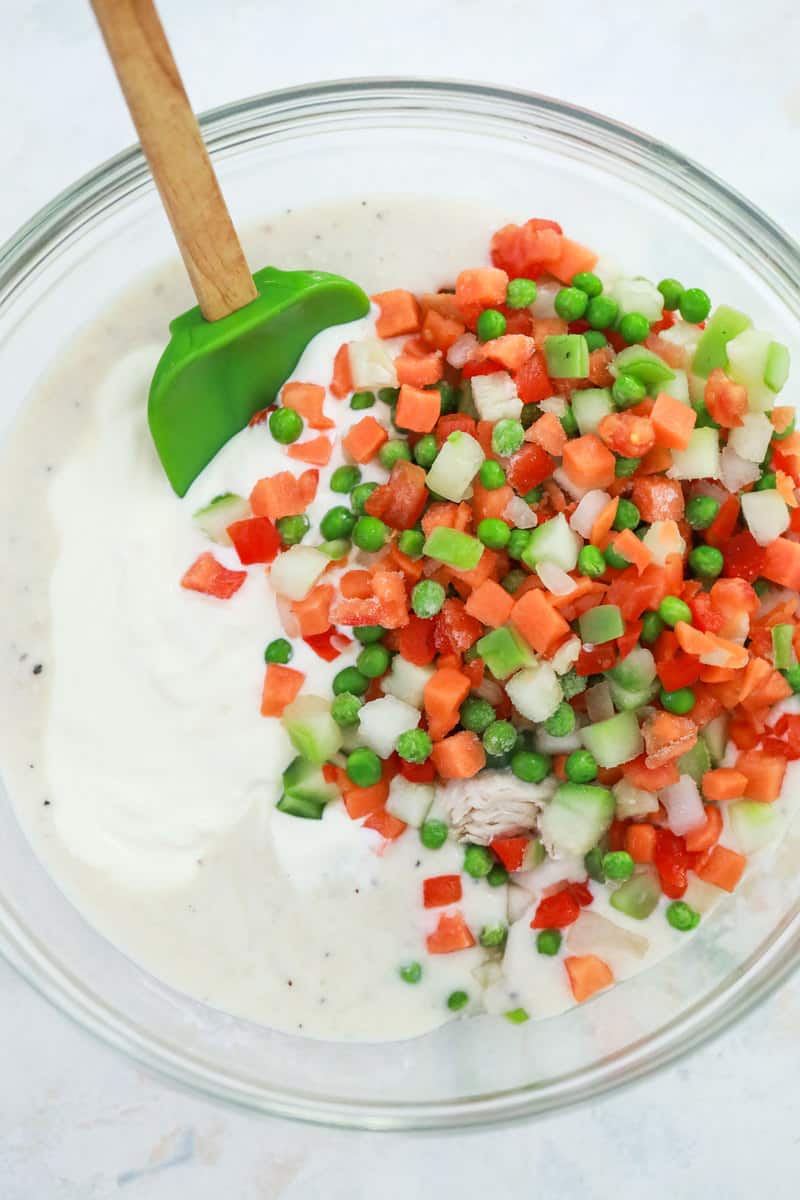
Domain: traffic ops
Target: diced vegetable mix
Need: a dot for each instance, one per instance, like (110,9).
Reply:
(577,581)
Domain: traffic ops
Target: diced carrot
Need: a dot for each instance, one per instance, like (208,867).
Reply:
(511,351)
(390,591)
(363,801)
(281,685)
(573,259)
(583,587)
(482,287)
(490,502)
(416,372)
(782,563)
(545,327)
(416,347)
(707,835)
(724,522)
(412,568)
(441,331)
(440,890)
(459,756)
(631,548)
(656,462)
(548,432)
(445,692)
(764,774)
(726,401)
(417,409)
(490,603)
(283,495)
(601,526)
(588,463)
(640,842)
(313,613)
(723,783)
(599,363)
(667,737)
(387,825)
(342,382)
(400,313)
(774,689)
(442,512)
(673,422)
(209,577)
(587,974)
(452,933)
(356,585)
(443,303)
(317,451)
(784,485)
(307,399)
(782,416)
(542,626)
(658,499)
(706,706)
(363,441)
(712,650)
(723,868)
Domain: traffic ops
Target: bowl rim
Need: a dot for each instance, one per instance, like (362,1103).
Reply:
(778,255)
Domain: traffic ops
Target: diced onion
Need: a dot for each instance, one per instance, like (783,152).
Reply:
(751,439)
(588,510)
(557,405)
(663,539)
(736,472)
(544,305)
(555,579)
(371,364)
(566,655)
(521,514)
(565,483)
(599,705)
(766,514)
(462,350)
(684,806)
(294,573)
(495,396)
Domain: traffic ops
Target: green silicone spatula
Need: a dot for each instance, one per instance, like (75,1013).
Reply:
(228,357)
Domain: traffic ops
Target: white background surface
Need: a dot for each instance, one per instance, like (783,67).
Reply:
(720,83)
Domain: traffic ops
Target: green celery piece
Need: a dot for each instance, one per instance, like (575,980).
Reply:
(454,548)
(643,364)
(782,649)
(577,817)
(636,671)
(631,699)
(567,356)
(504,651)
(338,548)
(724,324)
(637,897)
(776,369)
(297,806)
(695,762)
(614,741)
(313,731)
(303,780)
(601,624)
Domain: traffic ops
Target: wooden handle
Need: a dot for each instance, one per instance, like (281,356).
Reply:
(177,155)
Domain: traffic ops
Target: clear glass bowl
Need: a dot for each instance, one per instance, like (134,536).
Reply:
(527,155)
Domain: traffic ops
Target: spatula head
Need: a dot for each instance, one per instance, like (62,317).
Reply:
(213,376)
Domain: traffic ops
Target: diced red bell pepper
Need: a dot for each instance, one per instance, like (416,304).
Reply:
(582,893)
(256,540)
(208,576)
(672,863)
(724,523)
(595,661)
(401,500)
(744,558)
(454,423)
(477,366)
(556,912)
(529,467)
(441,890)
(384,823)
(510,851)
(328,645)
(418,772)
(454,630)
(416,641)
(452,933)
(679,672)
(704,615)
(533,382)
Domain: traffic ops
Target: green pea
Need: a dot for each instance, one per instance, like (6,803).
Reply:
(411,972)
(682,916)
(704,418)
(513,580)
(425,451)
(617,865)
(433,834)
(338,522)
(706,562)
(534,495)
(518,542)
(588,282)
(568,422)
(345,709)
(392,452)
(360,400)
(672,291)
(389,395)
(595,340)
(370,534)
(360,495)
(625,467)
(672,610)
(562,721)
(349,679)
(367,634)
(652,627)
(493,935)
(344,479)
(279,651)
(634,327)
(373,661)
(760,587)
(530,766)
(520,293)
(448,396)
(529,414)
(572,684)
(491,324)
(499,738)
(766,483)
(580,767)
(497,876)
(285,425)
(457,1000)
(694,305)
(701,511)
(363,767)
(491,474)
(680,702)
(414,746)
(627,515)
(427,598)
(570,303)
(601,312)
(411,542)
(591,562)
(507,437)
(476,714)
(548,941)
(478,861)
(615,559)
(517,1016)
(493,532)
(593,862)
(627,390)
(293,529)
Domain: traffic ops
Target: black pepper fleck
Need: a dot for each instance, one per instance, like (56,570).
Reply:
(37,670)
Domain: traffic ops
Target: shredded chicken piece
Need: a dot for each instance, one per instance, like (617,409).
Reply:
(493,804)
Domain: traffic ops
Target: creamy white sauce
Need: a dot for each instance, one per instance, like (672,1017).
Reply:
(151,793)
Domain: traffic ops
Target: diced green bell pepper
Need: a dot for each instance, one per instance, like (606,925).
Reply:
(454,548)
(567,356)
(637,897)
(723,325)
(601,624)
(504,651)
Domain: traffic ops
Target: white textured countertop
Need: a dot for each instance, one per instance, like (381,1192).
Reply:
(77,1121)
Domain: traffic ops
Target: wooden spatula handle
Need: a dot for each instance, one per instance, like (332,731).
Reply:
(172,142)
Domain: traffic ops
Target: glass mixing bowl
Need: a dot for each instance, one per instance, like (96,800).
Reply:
(528,155)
